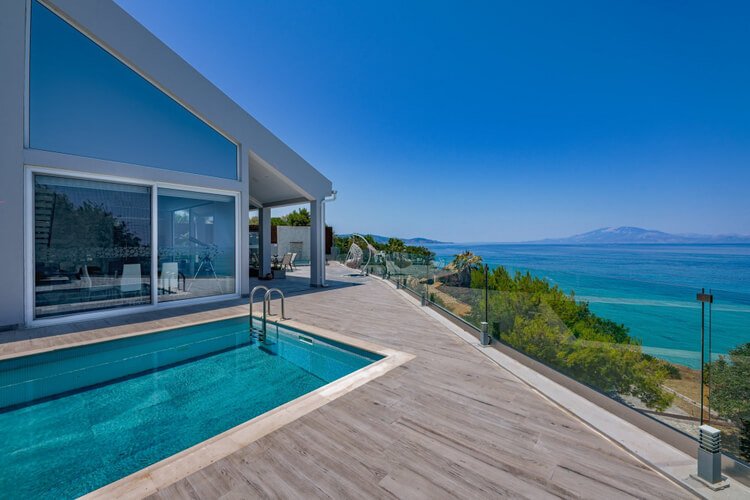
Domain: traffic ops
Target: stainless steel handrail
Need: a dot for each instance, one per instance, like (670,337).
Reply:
(267,298)
(252,295)
(267,310)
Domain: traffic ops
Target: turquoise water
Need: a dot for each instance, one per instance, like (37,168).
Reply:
(649,288)
(200,382)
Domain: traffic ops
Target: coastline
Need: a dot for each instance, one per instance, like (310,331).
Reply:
(650,292)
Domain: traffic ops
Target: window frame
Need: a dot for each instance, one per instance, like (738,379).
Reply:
(155,255)
(30,258)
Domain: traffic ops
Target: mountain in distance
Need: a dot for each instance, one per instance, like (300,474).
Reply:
(635,235)
(407,241)
(423,241)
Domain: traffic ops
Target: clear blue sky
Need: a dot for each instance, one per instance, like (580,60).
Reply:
(493,121)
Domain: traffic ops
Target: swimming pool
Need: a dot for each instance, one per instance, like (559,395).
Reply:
(73,420)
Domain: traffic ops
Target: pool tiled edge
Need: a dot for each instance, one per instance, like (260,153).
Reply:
(97,340)
(171,469)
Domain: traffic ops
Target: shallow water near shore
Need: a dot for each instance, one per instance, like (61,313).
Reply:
(651,289)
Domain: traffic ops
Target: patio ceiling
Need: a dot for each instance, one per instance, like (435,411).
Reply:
(270,187)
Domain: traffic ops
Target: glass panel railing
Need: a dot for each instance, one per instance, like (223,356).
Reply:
(644,353)
(410,271)
(726,335)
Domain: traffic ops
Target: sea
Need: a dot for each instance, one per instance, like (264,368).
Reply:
(650,288)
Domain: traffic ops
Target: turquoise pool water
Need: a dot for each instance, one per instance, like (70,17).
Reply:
(77,419)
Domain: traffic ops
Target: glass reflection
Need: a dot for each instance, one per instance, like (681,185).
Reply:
(196,244)
(92,245)
(84,101)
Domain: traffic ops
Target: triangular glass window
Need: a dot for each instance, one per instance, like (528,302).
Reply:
(86,102)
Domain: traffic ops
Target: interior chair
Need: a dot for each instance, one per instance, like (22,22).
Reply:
(170,277)
(130,281)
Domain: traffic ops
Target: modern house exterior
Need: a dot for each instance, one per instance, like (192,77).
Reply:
(125,175)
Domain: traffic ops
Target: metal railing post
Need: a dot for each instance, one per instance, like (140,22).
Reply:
(484,336)
(486,294)
(704,298)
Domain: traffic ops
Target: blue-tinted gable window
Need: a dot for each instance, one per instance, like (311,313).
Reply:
(84,101)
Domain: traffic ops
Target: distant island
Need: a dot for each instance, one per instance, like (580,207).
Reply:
(635,235)
(623,235)
(407,241)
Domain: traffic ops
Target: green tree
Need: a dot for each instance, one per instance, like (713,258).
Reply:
(394,245)
(299,217)
(89,225)
(730,391)
(544,322)
(343,243)
(463,264)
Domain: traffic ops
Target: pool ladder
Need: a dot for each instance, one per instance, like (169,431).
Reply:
(266,309)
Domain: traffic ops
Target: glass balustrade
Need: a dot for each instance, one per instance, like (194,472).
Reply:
(644,353)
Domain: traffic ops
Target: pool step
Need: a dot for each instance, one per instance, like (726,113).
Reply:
(268,349)
(266,344)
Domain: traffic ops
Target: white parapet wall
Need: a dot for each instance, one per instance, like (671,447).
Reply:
(294,239)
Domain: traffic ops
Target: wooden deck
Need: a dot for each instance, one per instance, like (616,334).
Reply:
(449,423)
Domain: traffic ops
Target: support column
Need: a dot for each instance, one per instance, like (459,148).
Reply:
(317,243)
(243,223)
(264,240)
(12,194)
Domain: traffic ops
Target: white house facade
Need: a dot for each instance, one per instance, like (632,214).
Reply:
(126,176)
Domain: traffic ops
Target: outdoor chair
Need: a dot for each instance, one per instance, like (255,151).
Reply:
(286,261)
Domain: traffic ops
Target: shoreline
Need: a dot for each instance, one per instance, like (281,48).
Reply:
(662,314)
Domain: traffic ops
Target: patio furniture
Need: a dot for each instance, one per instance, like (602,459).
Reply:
(131,281)
(86,283)
(355,257)
(170,278)
(85,277)
(286,262)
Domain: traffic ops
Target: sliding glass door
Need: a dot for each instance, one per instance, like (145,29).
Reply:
(92,245)
(93,248)
(196,244)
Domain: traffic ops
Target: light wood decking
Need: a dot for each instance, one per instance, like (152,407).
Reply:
(449,423)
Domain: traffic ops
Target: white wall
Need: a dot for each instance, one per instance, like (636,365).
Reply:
(287,234)
(12,69)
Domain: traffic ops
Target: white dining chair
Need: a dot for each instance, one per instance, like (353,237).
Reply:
(131,279)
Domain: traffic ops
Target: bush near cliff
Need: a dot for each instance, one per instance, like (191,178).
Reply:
(544,322)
